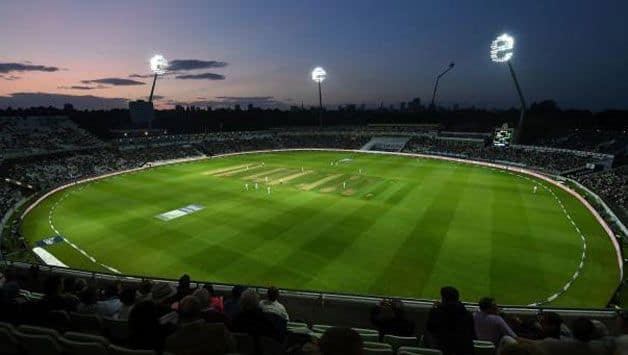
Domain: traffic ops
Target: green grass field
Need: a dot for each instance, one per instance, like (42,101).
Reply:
(402,227)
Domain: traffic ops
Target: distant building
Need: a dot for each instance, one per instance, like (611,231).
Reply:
(237,107)
(402,106)
(142,113)
(415,105)
(68,107)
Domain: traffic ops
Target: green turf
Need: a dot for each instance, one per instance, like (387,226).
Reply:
(404,227)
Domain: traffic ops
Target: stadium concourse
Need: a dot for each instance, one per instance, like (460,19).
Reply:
(62,312)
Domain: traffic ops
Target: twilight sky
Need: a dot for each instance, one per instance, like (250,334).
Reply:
(237,51)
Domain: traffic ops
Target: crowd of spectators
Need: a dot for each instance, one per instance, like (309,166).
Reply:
(586,140)
(193,319)
(187,319)
(610,185)
(52,170)
(549,160)
(42,134)
(219,144)
(9,195)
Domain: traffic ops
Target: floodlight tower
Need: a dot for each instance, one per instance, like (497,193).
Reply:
(158,65)
(318,75)
(449,67)
(502,50)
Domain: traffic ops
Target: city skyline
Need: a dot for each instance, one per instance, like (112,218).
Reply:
(95,55)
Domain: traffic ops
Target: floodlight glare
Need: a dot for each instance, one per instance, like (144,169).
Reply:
(502,48)
(158,64)
(319,74)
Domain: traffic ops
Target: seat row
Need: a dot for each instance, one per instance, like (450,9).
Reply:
(389,344)
(27,339)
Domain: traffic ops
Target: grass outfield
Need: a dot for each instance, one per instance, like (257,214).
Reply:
(403,227)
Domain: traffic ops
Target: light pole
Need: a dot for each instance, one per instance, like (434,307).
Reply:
(158,65)
(449,67)
(502,50)
(318,75)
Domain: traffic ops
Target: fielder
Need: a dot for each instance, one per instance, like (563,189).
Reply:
(534,189)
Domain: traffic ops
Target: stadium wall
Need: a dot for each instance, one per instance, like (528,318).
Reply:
(545,178)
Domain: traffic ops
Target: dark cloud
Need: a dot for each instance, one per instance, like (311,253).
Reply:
(33,99)
(21,67)
(9,77)
(142,76)
(246,98)
(230,101)
(201,76)
(194,64)
(113,81)
(82,87)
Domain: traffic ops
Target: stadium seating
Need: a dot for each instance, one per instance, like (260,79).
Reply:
(67,331)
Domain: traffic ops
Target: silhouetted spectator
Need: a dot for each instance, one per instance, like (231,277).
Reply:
(252,320)
(216,302)
(89,298)
(163,295)
(232,305)
(551,325)
(341,341)
(621,341)
(450,325)
(110,304)
(207,311)
(489,325)
(53,296)
(145,332)
(144,292)
(581,343)
(183,288)
(193,336)
(521,349)
(127,298)
(389,318)
(272,305)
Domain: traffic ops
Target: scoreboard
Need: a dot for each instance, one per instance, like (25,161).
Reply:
(503,137)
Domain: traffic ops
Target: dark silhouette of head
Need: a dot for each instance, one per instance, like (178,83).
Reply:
(236,291)
(272,294)
(184,282)
(189,309)
(127,296)
(550,324)
(488,305)
(210,289)
(89,296)
(341,341)
(449,295)
(583,329)
(53,285)
(144,320)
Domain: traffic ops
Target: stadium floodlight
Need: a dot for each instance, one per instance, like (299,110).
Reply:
(502,51)
(318,75)
(159,66)
(502,48)
(449,67)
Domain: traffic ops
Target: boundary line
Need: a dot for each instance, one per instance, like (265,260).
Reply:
(528,172)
